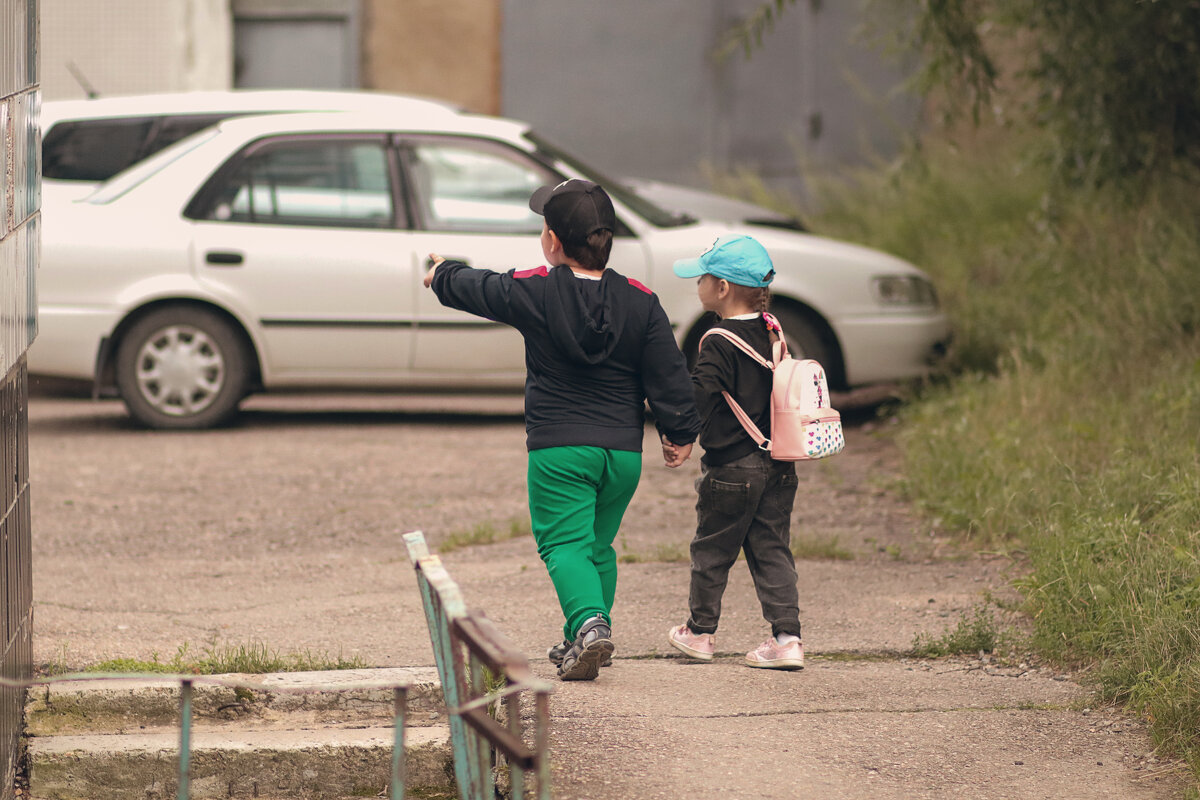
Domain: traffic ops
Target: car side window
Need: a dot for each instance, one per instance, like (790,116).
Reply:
(464,186)
(327,182)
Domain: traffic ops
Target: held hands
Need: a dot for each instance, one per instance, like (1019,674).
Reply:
(675,454)
(435,261)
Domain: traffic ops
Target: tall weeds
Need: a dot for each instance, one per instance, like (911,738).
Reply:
(1067,425)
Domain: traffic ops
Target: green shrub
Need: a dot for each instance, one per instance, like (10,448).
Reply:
(1065,426)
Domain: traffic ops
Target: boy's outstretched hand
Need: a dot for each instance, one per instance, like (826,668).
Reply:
(675,454)
(435,261)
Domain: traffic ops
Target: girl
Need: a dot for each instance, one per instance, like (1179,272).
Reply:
(745,497)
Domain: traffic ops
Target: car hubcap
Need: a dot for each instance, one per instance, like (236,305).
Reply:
(180,370)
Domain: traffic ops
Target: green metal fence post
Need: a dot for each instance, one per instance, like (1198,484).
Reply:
(542,744)
(185,737)
(516,773)
(482,748)
(400,709)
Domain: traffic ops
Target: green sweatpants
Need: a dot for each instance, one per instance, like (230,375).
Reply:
(577,496)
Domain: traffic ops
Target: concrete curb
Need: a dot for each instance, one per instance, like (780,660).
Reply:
(104,705)
(296,735)
(302,764)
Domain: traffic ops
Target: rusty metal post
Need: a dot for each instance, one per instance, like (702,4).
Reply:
(541,747)
(465,645)
(442,601)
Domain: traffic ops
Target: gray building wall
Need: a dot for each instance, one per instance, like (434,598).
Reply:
(635,86)
(20,166)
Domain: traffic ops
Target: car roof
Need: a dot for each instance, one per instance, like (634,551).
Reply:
(416,120)
(236,101)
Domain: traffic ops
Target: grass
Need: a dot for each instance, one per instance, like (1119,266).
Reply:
(255,658)
(1066,424)
(818,547)
(976,633)
(484,533)
(662,553)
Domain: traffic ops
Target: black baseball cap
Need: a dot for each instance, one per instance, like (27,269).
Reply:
(574,209)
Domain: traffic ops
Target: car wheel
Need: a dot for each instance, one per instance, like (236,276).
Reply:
(181,367)
(807,339)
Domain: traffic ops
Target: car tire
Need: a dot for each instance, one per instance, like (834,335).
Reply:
(807,339)
(181,367)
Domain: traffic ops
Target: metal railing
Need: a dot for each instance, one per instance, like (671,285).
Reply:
(467,646)
(470,652)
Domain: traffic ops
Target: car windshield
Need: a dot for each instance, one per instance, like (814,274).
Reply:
(652,213)
(124,181)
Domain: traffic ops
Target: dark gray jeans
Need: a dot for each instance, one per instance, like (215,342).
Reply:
(745,505)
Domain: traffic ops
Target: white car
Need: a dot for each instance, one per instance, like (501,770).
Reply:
(85,142)
(709,205)
(287,251)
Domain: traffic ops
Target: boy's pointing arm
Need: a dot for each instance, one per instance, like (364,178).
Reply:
(481,292)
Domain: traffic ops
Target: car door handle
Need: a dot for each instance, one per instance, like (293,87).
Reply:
(429,261)
(223,258)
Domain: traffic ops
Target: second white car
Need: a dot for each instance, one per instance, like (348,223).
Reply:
(287,251)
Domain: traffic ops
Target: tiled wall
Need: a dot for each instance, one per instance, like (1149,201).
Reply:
(20,200)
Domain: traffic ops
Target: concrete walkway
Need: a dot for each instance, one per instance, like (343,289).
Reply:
(860,722)
(286,530)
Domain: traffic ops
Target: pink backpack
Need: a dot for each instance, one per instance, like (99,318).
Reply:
(803,425)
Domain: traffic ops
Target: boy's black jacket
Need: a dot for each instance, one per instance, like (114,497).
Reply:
(722,367)
(595,352)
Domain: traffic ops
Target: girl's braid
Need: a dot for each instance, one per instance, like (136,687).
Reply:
(764,299)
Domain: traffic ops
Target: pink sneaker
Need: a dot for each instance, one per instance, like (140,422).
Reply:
(693,645)
(773,655)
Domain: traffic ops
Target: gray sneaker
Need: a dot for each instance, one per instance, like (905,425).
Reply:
(558,652)
(592,646)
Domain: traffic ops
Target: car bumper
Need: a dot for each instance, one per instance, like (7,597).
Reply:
(68,340)
(892,347)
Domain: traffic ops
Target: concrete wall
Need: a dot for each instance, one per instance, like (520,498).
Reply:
(634,87)
(20,166)
(446,50)
(134,46)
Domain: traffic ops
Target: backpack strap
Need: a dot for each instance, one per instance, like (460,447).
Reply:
(740,343)
(762,441)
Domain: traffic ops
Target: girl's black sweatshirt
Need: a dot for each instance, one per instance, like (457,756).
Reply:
(721,366)
(595,353)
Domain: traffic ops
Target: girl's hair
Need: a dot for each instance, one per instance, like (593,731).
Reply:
(757,297)
(592,254)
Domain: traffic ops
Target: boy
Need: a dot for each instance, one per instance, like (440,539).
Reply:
(597,347)
(745,497)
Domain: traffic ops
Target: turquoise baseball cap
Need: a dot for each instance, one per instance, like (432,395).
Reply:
(737,258)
